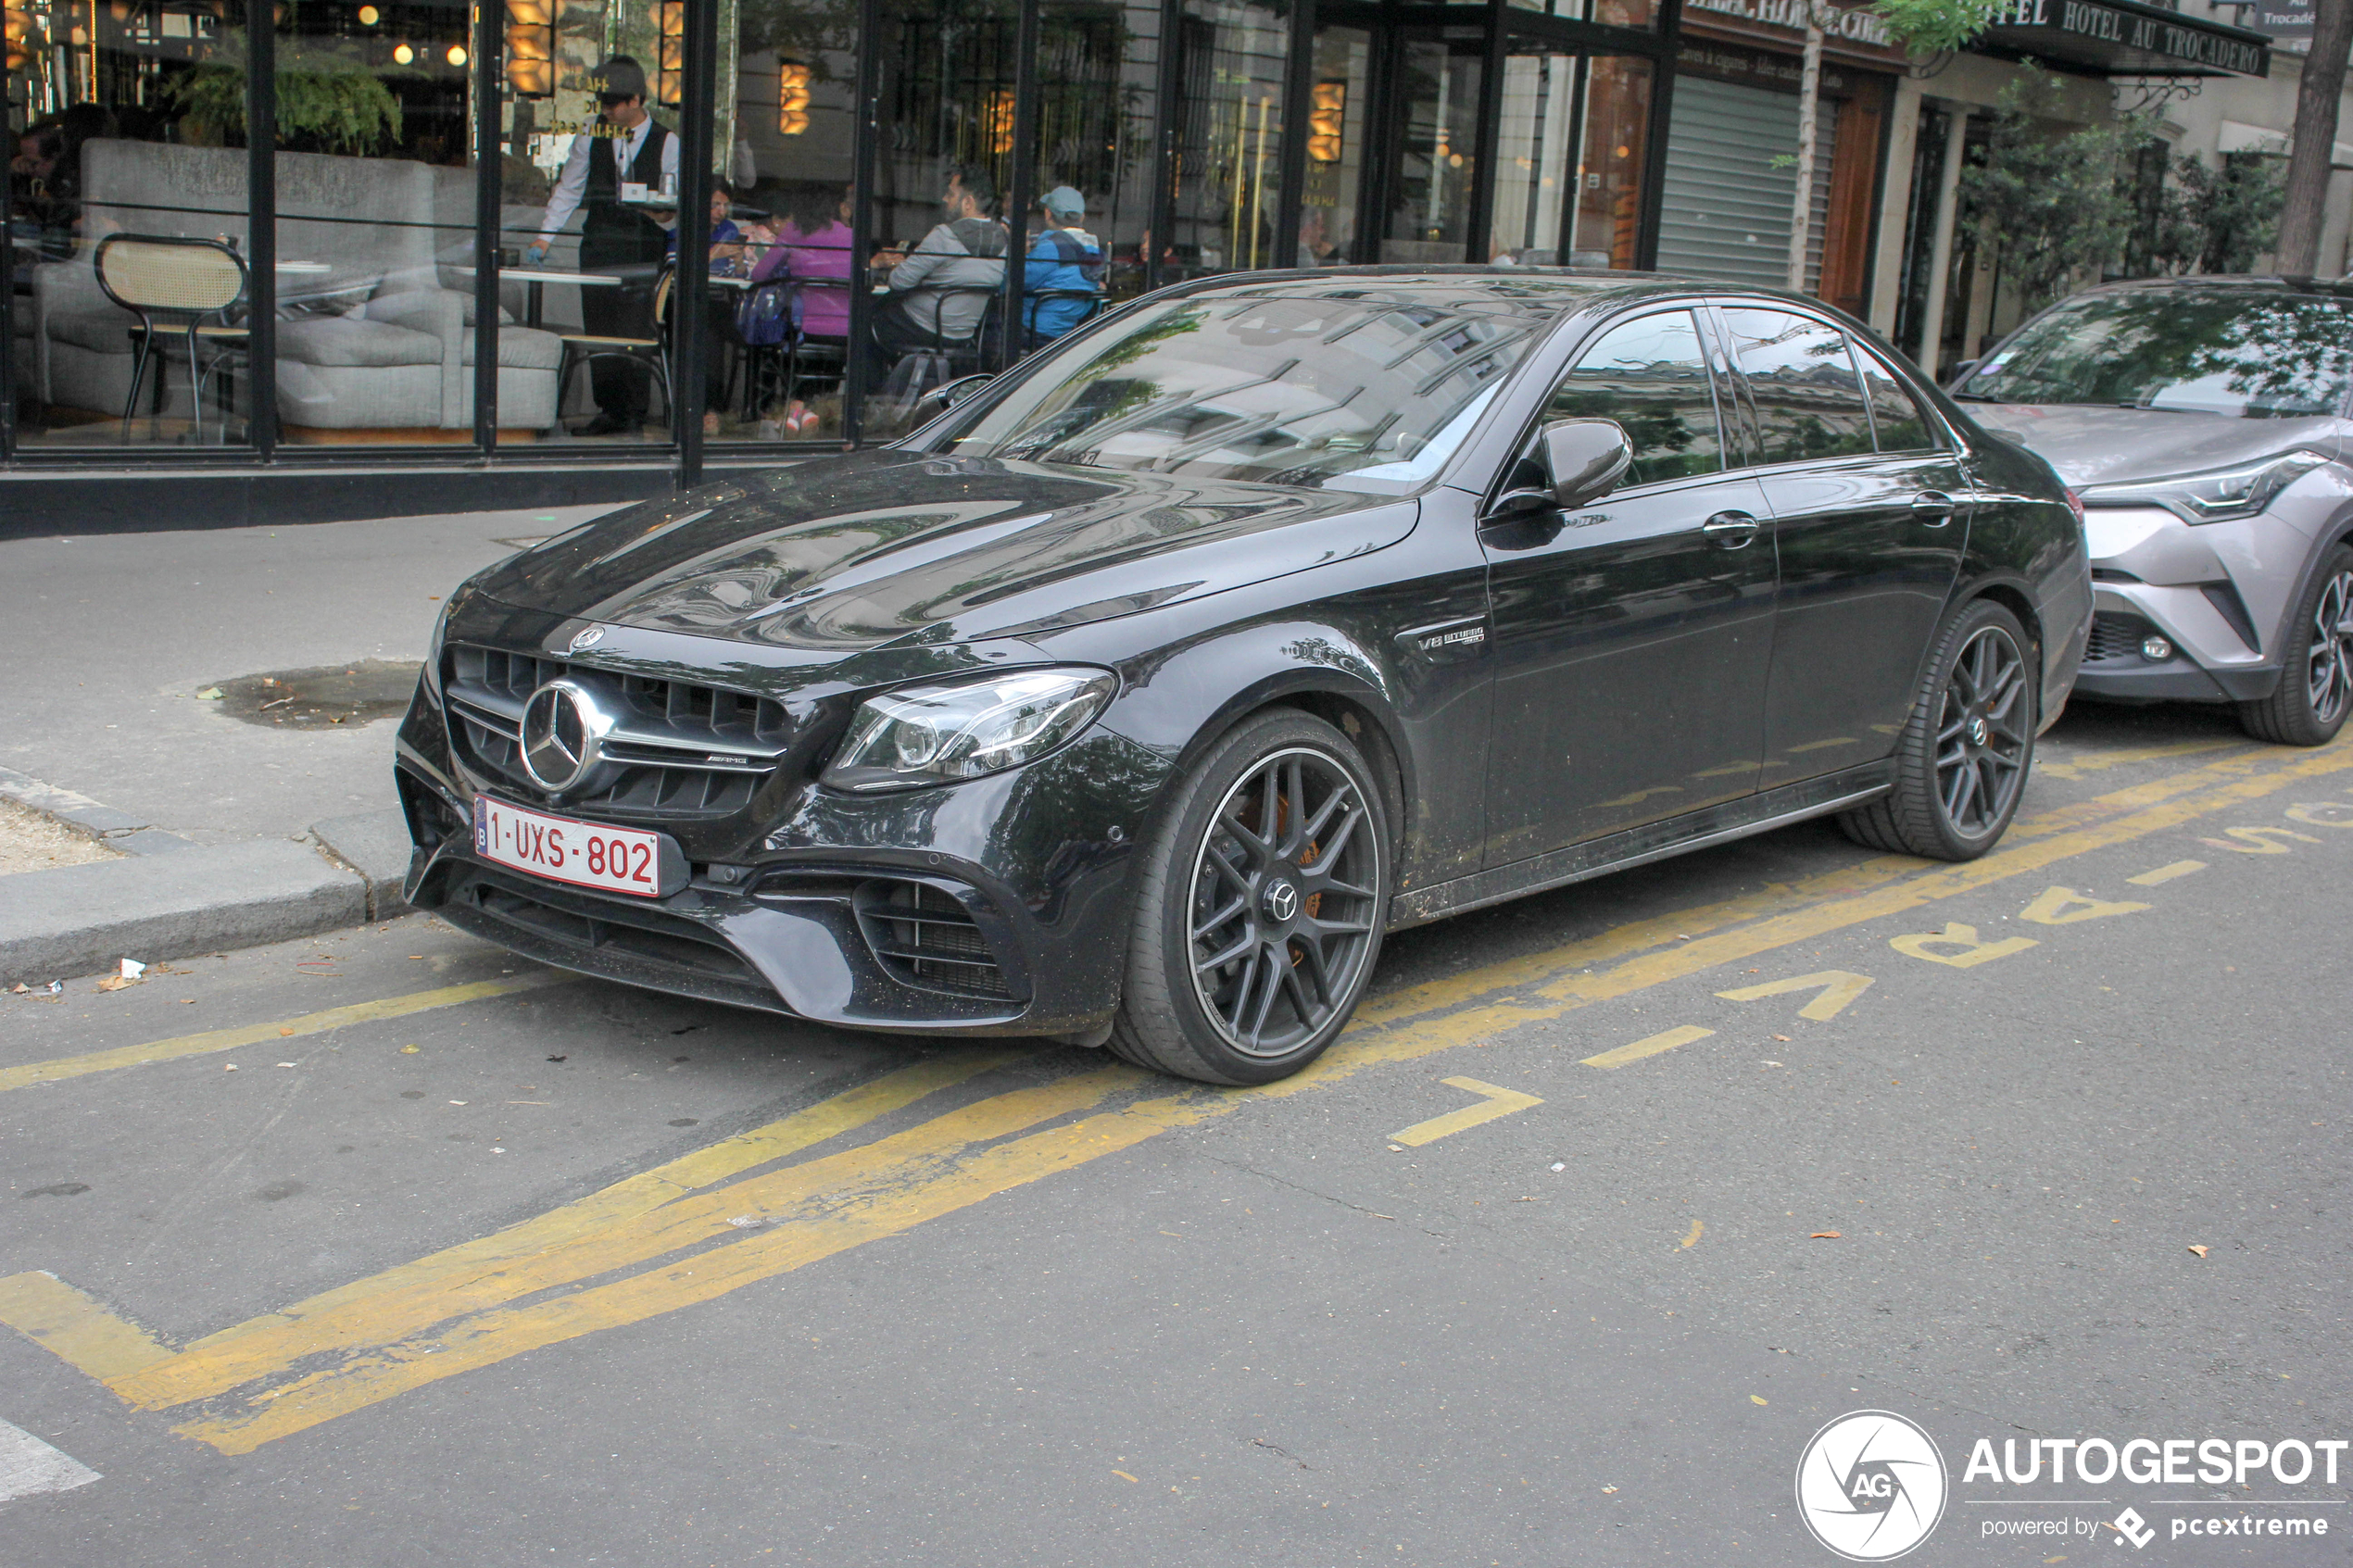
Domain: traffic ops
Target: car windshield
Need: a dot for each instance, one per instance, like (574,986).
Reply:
(1366,385)
(2249,353)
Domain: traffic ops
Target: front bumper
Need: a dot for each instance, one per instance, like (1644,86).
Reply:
(2212,592)
(995,907)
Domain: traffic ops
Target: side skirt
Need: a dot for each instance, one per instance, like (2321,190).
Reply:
(1639,846)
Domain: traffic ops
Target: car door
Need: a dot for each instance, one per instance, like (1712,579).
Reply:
(1632,637)
(1869,530)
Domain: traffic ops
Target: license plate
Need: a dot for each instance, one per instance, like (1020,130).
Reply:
(598,855)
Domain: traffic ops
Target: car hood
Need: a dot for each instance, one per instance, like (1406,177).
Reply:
(2096,446)
(853,552)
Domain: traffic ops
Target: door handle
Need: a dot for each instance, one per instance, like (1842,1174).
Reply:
(1731,530)
(1934,507)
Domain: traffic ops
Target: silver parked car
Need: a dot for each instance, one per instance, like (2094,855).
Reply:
(2203,423)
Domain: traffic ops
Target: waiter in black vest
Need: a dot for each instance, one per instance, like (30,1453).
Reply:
(627,144)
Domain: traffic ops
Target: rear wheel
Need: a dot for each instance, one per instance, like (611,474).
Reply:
(2316,689)
(1264,895)
(1962,763)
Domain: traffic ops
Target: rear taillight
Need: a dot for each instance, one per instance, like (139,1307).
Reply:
(2075,505)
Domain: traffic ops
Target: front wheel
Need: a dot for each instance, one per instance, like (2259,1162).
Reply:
(1261,901)
(2316,689)
(1961,762)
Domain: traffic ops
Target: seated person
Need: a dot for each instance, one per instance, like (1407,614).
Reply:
(1065,259)
(812,246)
(728,250)
(936,297)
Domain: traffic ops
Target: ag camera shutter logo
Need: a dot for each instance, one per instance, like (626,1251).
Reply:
(1870,1486)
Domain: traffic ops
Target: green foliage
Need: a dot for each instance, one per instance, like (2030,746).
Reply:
(2052,208)
(2218,220)
(1936,27)
(325,104)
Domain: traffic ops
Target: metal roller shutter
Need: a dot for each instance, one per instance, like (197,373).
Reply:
(1726,207)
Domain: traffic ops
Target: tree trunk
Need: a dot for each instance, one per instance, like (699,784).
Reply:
(1810,98)
(2302,214)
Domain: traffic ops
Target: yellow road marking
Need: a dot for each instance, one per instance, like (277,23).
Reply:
(1450,1014)
(2064,906)
(1967,951)
(1692,1240)
(1664,1040)
(2309,811)
(1494,1102)
(84,1334)
(256,1033)
(555,1248)
(1837,987)
(2258,841)
(2166,873)
(489,1338)
(2119,758)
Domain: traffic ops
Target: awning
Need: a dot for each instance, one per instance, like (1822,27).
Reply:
(2126,38)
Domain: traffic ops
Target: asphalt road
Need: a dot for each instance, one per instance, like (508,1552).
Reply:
(469,1263)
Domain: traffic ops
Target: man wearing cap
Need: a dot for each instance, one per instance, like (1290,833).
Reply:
(1064,263)
(627,144)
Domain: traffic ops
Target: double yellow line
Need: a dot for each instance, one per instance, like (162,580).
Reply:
(743,1211)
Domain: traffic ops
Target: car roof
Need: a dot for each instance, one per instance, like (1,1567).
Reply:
(2219,283)
(1468,283)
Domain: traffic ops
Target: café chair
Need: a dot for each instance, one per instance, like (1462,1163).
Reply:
(176,284)
(582,348)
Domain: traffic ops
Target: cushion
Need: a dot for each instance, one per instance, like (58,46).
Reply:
(345,340)
(105,331)
(523,349)
(420,308)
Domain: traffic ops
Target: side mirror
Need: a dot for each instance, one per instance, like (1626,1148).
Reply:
(946,395)
(1586,459)
(1959,373)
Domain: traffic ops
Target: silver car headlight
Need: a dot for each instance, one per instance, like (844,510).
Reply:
(933,734)
(2216,496)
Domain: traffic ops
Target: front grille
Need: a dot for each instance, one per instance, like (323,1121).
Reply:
(2116,636)
(924,936)
(679,750)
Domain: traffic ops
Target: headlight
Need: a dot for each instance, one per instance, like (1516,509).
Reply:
(2216,496)
(936,735)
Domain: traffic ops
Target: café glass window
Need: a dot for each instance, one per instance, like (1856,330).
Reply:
(375,180)
(129,232)
(1226,156)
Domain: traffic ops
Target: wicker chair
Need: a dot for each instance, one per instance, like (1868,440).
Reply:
(173,283)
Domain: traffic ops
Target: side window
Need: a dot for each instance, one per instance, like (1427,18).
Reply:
(1650,376)
(1801,374)
(1902,426)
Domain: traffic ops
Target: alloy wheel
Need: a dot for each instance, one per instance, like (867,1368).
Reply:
(1282,902)
(1982,740)
(2330,672)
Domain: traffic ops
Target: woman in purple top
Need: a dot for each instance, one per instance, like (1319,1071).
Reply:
(813,245)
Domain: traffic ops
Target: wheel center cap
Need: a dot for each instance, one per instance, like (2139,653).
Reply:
(1280,901)
(1978,733)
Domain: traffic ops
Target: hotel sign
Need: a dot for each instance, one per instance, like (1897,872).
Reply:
(2130,41)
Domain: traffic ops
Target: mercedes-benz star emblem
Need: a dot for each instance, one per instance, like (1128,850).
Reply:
(1282,900)
(585,638)
(563,733)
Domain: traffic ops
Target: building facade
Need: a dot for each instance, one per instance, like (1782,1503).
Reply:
(450,279)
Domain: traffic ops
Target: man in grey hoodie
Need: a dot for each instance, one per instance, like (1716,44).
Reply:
(966,252)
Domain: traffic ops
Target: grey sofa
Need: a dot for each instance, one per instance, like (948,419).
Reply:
(371,335)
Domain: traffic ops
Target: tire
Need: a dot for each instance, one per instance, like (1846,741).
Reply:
(1962,761)
(1258,923)
(2316,687)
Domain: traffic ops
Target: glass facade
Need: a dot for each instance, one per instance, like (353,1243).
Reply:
(684,232)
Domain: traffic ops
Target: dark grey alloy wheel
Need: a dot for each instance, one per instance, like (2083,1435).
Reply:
(2316,689)
(1963,758)
(1261,906)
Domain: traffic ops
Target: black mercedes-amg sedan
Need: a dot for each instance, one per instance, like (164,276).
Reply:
(1132,700)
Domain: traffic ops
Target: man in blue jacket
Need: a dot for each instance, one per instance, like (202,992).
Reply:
(1065,261)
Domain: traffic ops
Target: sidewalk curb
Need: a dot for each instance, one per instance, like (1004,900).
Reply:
(76,920)
(169,898)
